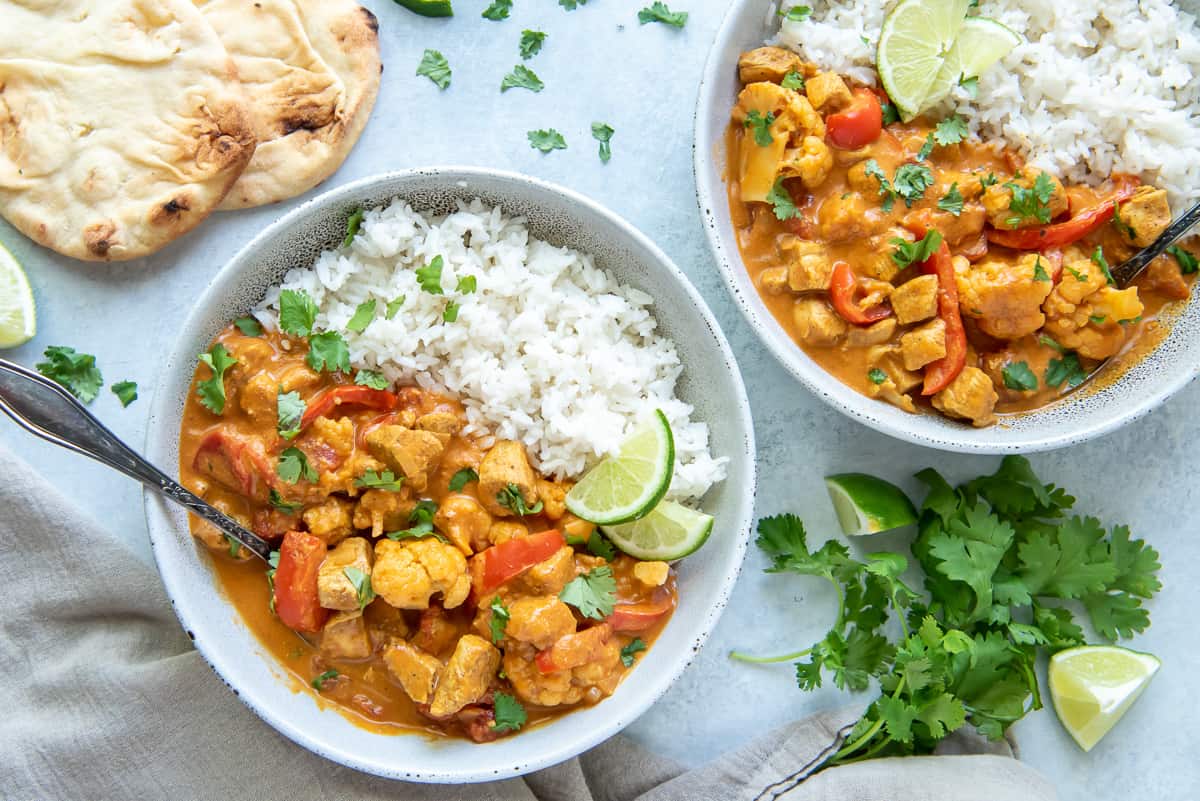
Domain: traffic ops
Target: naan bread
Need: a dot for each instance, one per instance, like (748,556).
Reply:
(122,123)
(310,69)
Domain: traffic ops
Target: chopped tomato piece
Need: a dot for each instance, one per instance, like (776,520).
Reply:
(573,650)
(296,601)
(365,397)
(504,562)
(843,289)
(940,373)
(1059,234)
(639,617)
(857,126)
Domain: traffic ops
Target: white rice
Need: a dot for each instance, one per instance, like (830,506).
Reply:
(549,350)
(1098,86)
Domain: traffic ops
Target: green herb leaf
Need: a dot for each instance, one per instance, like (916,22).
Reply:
(511,499)
(422,519)
(430,276)
(603,132)
(235,547)
(796,13)
(1039,272)
(498,10)
(522,77)
(658,12)
(890,114)
(297,312)
(282,505)
(571,5)
(1101,262)
(293,465)
(1188,263)
(1050,343)
(353,223)
(212,391)
(126,392)
(1066,369)
(952,201)
(273,565)
(361,582)
(598,545)
(594,593)
(1018,376)
(911,181)
(499,619)
(761,127)
(372,379)
(462,478)
(319,681)
(794,80)
(394,306)
(1030,204)
(249,326)
(385,480)
(76,372)
(926,149)
(970,85)
(950,131)
(363,316)
(466,285)
(907,253)
(876,376)
(508,712)
(328,351)
(628,652)
(435,67)
(546,139)
(531,43)
(289,411)
(781,202)
(450,313)
(873,170)
(989,180)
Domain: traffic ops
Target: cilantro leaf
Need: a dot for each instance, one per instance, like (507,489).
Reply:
(126,392)
(289,412)
(926,149)
(77,372)
(603,133)
(372,379)
(1066,369)
(385,480)
(249,326)
(531,43)
(1039,272)
(950,131)
(793,80)
(571,5)
(911,181)
(363,591)
(364,315)
(450,313)
(546,139)
(297,312)
(430,276)
(873,170)
(760,125)
(499,619)
(522,77)
(509,714)
(293,465)
(1030,203)
(319,681)
(422,519)
(1188,263)
(353,223)
(283,505)
(796,13)
(952,201)
(628,652)
(513,499)
(594,593)
(890,114)
(498,10)
(328,351)
(435,67)
(907,253)
(598,545)
(466,285)
(876,376)
(659,12)
(1101,262)
(394,306)
(1018,376)
(781,202)
(462,478)
(212,391)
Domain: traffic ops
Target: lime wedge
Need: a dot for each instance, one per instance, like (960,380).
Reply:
(18,317)
(868,505)
(1093,685)
(981,42)
(913,44)
(668,533)
(627,486)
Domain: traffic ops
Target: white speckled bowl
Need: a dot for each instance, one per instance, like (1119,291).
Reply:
(1087,413)
(711,382)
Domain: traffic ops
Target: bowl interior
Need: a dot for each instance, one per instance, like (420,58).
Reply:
(1092,411)
(710,381)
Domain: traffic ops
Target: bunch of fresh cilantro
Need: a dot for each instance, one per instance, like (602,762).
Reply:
(1007,568)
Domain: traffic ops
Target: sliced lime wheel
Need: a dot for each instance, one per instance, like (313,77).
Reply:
(981,42)
(1092,686)
(18,315)
(867,505)
(913,43)
(628,485)
(669,532)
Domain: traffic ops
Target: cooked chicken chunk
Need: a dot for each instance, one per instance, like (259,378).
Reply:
(827,91)
(862,336)
(971,395)
(416,671)
(769,64)
(438,423)
(540,620)
(808,264)
(816,323)
(916,299)
(414,454)
(550,576)
(345,636)
(259,397)
(334,587)
(466,677)
(504,465)
(923,345)
(774,280)
(408,573)
(1144,216)
(505,530)
(1004,298)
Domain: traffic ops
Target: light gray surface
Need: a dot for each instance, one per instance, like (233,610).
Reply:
(598,64)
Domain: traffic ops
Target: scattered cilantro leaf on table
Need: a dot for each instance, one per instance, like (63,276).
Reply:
(659,12)
(126,392)
(546,139)
(531,43)
(522,77)
(498,10)
(602,132)
(435,67)
(75,372)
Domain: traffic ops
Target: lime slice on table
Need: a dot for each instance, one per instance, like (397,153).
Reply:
(1093,685)
(980,43)
(628,485)
(868,505)
(913,44)
(18,317)
(669,532)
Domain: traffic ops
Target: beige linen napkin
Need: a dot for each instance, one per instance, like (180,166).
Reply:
(102,697)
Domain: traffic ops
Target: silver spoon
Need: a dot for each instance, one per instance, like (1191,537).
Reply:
(47,410)
(1128,270)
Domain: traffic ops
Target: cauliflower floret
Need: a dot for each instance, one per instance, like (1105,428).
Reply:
(595,678)
(810,162)
(793,119)
(1084,313)
(1004,297)
(329,520)
(464,522)
(971,395)
(408,573)
(553,495)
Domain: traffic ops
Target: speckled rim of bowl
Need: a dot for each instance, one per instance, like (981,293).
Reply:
(1088,413)
(255,676)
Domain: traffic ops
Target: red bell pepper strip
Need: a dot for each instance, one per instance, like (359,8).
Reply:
(366,397)
(234,461)
(1058,234)
(639,617)
(296,601)
(843,287)
(504,562)
(940,373)
(573,650)
(857,126)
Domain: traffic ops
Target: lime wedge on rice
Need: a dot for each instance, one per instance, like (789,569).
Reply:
(628,485)
(18,317)
(669,532)
(1092,686)
(868,505)
(981,42)
(913,43)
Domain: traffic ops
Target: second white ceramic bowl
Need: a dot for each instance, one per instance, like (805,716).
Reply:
(1088,413)
(710,382)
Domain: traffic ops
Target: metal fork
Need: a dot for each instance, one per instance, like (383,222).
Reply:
(47,410)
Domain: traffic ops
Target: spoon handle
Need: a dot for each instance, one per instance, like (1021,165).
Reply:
(1128,270)
(47,410)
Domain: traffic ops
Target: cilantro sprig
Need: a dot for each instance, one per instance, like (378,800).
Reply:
(1030,203)
(509,714)
(594,593)
(513,499)
(1000,556)
(907,253)
(212,390)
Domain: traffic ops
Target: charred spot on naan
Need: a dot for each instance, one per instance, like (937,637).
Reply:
(99,238)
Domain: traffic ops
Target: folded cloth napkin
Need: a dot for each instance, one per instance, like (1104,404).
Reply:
(103,697)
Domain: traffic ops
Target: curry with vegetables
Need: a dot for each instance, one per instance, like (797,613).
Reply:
(924,268)
(437,580)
